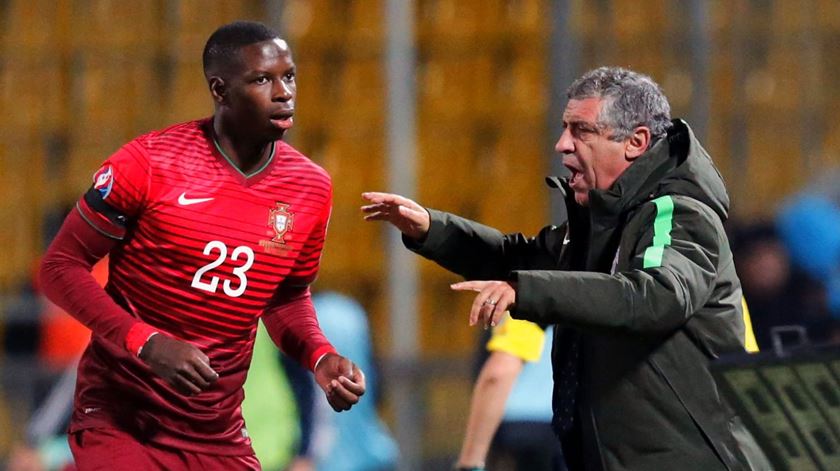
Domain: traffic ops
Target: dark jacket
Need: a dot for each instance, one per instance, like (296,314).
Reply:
(644,278)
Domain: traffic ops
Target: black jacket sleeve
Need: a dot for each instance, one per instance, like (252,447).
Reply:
(646,297)
(479,252)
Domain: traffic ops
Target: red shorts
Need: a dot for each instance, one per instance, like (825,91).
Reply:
(114,450)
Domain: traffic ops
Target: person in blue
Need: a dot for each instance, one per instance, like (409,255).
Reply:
(510,411)
(809,226)
(358,440)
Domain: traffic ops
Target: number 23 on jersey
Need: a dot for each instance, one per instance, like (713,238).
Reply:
(208,282)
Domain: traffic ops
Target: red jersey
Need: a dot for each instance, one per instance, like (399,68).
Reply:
(205,250)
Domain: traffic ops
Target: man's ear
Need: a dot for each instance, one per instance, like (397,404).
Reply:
(637,143)
(218,88)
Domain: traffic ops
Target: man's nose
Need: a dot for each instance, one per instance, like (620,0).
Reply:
(565,145)
(282,91)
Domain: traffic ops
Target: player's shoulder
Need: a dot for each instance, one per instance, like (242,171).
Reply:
(176,135)
(301,163)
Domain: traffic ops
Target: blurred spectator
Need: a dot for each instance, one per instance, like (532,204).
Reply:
(356,440)
(809,227)
(45,447)
(777,292)
(61,341)
(62,337)
(511,403)
(304,391)
(269,408)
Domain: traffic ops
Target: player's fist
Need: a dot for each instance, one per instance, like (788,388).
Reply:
(341,380)
(182,365)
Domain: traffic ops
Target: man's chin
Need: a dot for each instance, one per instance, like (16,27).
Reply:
(276,134)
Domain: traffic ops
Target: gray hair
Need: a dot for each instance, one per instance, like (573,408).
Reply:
(630,99)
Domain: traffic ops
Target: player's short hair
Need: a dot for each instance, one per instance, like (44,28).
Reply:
(223,45)
(631,99)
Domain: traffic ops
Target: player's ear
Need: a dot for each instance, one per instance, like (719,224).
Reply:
(218,88)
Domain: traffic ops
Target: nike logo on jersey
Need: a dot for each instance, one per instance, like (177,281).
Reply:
(184,201)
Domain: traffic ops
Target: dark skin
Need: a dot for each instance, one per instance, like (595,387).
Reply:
(254,99)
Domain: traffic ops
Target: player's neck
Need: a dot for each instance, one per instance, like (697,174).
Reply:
(246,156)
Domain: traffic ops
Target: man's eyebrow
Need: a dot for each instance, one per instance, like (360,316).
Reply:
(577,122)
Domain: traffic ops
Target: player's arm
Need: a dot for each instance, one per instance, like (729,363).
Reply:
(93,228)
(293,326)
(67,281)
(291,321)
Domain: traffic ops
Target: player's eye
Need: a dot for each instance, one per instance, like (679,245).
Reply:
(290,76)
(261,80)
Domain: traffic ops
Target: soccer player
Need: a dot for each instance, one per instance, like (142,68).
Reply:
(210,225)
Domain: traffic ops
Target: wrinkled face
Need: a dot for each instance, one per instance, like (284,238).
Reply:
(595,161)
(260,90)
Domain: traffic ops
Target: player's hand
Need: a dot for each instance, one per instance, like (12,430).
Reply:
(341,380)
(406,215)
(182,365)
(493,299)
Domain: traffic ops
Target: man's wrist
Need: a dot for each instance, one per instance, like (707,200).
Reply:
(142,347)
(319,355)
(137,337)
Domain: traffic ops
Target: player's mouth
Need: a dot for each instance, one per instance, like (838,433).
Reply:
(283,120)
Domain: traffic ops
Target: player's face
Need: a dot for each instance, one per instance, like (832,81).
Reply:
(261,90)
(594,160)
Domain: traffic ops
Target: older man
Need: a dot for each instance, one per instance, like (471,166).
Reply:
(639,281)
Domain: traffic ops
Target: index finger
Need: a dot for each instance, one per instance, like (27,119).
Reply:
(378,197)
(469,285)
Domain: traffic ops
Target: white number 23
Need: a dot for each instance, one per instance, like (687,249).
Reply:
(210,286)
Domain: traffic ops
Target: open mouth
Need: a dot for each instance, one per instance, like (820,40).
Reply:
(283,120)
(574,178)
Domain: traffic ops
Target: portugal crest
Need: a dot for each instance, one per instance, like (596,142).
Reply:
(280,221)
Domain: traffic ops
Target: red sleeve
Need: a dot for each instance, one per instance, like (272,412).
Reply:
(306,266)
(66,280)
(119,190)
(292,324)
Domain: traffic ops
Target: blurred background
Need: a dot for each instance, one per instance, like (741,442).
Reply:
(470,130)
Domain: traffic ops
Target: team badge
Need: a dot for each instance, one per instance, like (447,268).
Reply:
(280,222)
(103,181)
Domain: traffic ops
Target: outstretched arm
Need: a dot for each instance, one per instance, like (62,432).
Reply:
(461,246)
(404,214)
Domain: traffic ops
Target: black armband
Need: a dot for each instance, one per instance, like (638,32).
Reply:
(94,199)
